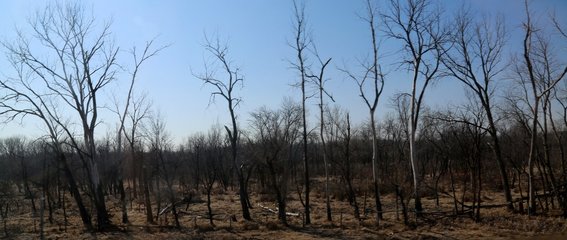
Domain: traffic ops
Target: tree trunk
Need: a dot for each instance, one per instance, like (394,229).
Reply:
(281,209)
(412,124)
(233,136)
(147,201)
(352,200)
(305,155)
(327,197)
(158,197)
(531,157)
(400,194)
(103,220)
(123,200)
(418,206)
(374,168)
(209,190)
(85,216)
(278,190)
(41,220)
(243,197)
(348,173)
(498,151)
(501,167)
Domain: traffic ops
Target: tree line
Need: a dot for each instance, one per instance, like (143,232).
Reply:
(508,137)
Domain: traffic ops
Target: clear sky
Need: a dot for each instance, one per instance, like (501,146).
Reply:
(257,32)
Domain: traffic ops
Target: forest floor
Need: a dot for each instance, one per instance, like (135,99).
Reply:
(495,223)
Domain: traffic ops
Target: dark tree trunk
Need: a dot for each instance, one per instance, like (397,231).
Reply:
(281,208)
(499,159)
(209,208)
(123,200)
(243,197)
(147,201)
(85,216)
(400,195)
(103,220)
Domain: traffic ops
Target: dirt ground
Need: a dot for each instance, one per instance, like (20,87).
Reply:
(496,223)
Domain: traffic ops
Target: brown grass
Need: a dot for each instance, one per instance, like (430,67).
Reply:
(496,223)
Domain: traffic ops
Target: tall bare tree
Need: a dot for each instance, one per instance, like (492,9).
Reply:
(476,61)
(225,88)
(416,24)
(371,76)
(300,44)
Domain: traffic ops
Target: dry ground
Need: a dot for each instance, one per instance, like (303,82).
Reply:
(496,223)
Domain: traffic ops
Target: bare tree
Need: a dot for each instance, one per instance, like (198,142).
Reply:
(320,81)
(147,53)
(276,133)
(159,145)
(417,25)
(476,61)
(21,100)
(371,75)
(300,44)
(339,132)
(209,163)
(83,63)
(395,135)
(139,112)
(225,88)
(458,138)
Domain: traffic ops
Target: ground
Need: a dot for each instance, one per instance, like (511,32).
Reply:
(496,223)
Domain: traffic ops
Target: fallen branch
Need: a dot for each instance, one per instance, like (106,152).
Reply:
(167,208)
(276,211)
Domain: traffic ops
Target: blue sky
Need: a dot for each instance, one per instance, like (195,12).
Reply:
(257,32)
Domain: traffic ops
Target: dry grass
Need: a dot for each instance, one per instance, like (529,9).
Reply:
(495,224)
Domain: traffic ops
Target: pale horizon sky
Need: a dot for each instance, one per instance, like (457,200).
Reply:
(257,32)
